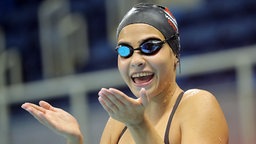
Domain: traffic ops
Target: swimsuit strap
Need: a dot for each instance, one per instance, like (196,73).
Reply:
(166,136)
(167,130)
(121,134)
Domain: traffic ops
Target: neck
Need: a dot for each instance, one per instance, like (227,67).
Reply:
(162,103)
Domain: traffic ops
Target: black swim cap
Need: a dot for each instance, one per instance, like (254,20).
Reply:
(157,16)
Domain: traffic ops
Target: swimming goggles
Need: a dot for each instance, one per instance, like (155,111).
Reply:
(149,47)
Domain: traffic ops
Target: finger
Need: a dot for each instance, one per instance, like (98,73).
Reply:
(113,97)
(144,97)
(107,102)
(33,111)
(46,105)
(37,112)
(122,97)
(28,106)
(102,102)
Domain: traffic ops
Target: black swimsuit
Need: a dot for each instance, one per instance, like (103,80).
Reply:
(166,136)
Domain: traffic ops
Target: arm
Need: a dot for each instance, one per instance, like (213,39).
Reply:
(111,132)
(202,120)
(145,132)
(130,112)
(56,119)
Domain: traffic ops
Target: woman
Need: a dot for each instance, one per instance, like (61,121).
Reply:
(148,55)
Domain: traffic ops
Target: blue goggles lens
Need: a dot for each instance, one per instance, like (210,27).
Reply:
(148,48)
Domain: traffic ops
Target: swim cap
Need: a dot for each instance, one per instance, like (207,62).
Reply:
(157,16)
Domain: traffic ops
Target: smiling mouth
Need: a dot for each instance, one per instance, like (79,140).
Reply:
(142,77)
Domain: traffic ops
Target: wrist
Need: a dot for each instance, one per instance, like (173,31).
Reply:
(142,123)
(75,139)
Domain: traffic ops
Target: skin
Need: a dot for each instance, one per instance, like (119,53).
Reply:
(198,119)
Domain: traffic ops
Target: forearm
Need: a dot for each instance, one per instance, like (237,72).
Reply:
(145,133)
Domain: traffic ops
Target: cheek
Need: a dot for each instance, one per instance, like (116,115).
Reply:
(163,59)
(164,63)
(122,67)
(164,67)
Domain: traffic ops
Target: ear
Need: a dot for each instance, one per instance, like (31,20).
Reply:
(176,61)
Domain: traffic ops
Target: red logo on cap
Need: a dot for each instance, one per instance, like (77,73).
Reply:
(171,19)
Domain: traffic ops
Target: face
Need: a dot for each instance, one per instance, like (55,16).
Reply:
(156,73)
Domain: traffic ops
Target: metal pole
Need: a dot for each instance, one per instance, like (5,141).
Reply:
(246,100)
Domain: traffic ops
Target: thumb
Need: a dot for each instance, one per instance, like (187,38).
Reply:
(143,97)
(46,105)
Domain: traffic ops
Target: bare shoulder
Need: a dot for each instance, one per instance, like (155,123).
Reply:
(111,131)
(200,97)
(201,118)
(197,92)
(199,102)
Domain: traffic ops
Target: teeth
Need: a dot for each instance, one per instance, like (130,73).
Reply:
(142,74)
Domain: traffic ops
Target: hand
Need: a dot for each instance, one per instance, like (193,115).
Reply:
(56,119)
(122,107)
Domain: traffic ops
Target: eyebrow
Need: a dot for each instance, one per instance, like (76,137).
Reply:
(140,42)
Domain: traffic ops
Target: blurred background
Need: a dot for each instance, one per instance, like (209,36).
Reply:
(62,51)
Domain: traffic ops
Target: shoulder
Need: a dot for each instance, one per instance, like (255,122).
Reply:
(200,116)
(197,92)
(199,97)
(199,102)
(112,131)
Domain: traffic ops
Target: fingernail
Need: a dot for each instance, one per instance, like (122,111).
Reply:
(23,106)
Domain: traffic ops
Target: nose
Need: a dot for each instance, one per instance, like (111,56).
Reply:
(137,60)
